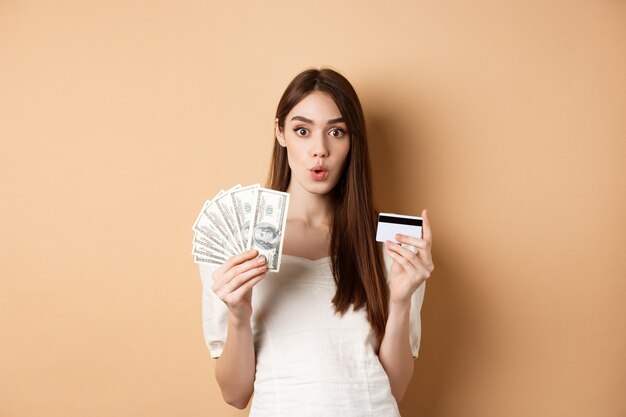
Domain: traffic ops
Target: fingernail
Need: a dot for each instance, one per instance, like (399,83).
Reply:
(262,259)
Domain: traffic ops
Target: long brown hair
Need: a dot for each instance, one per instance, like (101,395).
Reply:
(357,262)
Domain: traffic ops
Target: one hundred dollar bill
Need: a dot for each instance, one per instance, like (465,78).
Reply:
(244,203)
(203,243)
(205,260)
(213,213)
(205,227)
(268,227)
(207,254)
(224,204)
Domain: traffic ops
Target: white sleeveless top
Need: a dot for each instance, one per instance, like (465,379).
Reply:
(310,361)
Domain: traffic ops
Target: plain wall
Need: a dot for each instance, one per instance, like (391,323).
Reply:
(505,118)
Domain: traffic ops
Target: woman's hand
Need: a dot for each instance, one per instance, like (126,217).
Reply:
(409,270)
(233,282)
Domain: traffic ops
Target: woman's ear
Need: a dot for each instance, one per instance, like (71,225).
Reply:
(280,137)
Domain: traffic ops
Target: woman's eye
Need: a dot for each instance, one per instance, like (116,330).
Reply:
(337,133)
(301,131)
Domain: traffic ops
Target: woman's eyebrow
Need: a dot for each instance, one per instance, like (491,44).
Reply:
(304,119)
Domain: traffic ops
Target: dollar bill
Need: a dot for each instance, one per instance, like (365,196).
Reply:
(268,227)
(205,227)
(204,260)
(213,213)
(205,253)
(240,219)
(224,204)
(244,203)
(203,243)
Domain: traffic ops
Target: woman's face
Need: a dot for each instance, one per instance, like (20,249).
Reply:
(317,142)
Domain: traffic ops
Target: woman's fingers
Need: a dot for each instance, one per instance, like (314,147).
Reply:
(245,266)
(240,292)
(413,241)
(422,245)
(405,254)
(238,259)
(233,266)
(426,230)
(403,262)
(237,271)
(242,278)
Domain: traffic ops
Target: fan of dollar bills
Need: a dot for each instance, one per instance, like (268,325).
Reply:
(240,219)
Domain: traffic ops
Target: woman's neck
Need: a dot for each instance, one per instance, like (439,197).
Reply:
(313,210)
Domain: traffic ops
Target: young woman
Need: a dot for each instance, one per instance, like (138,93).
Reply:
(335,332)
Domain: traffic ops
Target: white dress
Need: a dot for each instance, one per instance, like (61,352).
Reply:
(310,361)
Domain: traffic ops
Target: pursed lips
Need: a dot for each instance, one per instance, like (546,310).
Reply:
(319,168)
(319,172)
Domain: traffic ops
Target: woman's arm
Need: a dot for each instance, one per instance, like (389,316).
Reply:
(236,366)
(395,349)
(408,271)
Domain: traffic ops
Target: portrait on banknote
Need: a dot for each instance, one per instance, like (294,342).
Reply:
(266,236)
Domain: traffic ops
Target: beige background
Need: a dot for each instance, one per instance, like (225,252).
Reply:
(504,118)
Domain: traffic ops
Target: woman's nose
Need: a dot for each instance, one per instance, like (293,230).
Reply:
(320,150)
